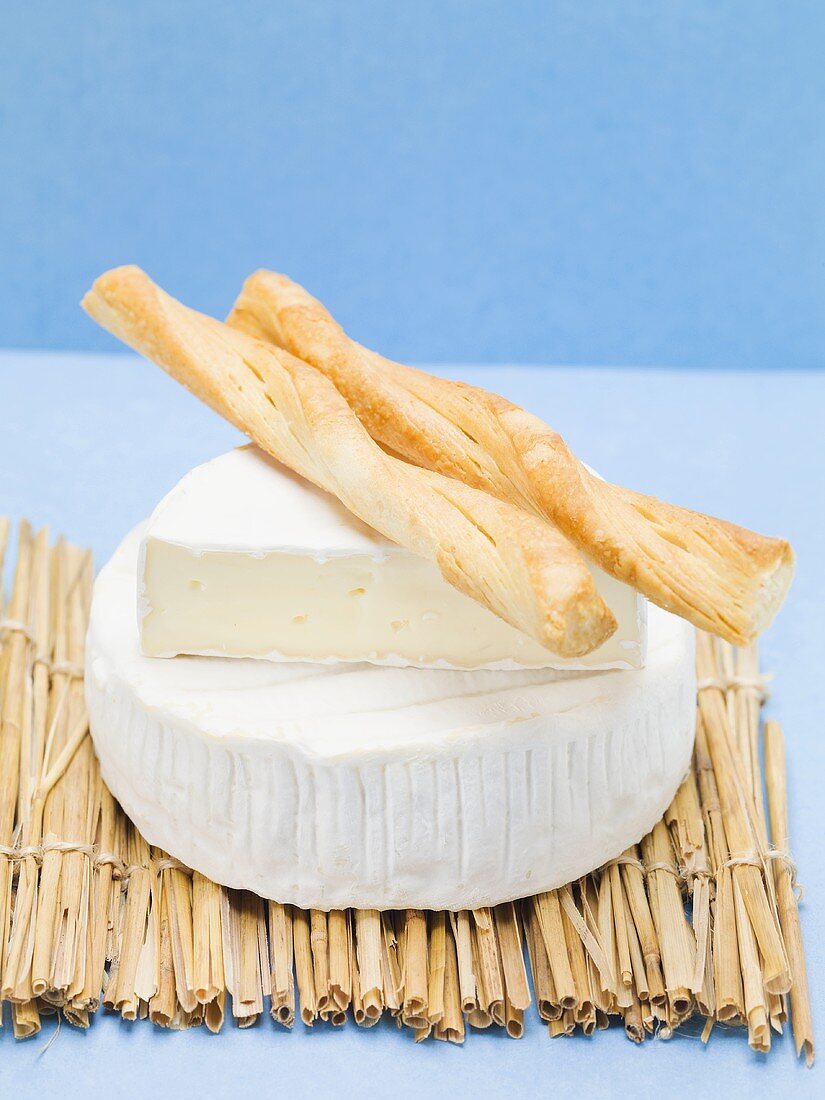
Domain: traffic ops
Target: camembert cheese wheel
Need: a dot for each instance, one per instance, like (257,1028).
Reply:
(329,786)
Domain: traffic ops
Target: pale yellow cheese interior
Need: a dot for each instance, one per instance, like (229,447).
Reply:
(246,559)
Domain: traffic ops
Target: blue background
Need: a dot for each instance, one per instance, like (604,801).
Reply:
(600,182)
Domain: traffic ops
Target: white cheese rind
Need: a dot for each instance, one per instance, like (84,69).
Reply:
(246,559)
(384,788)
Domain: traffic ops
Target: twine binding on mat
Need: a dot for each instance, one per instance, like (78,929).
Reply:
(169,864)
(61,668)
(758,683)
(99,859)
(686,875)
(67,668)
(759,860)
(15,626)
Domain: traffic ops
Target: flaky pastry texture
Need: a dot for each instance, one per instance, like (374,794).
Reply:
(722,578)
(511,561)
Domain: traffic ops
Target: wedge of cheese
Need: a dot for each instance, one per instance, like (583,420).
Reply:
(246,559)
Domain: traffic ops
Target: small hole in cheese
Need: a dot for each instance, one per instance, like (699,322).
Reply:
(399,624)
(299,618)
(197,586)
(357,591)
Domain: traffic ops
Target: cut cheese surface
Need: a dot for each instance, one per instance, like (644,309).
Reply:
(380,787)
(244,558)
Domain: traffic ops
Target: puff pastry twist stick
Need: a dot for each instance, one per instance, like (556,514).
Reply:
(722,578)
(517,565)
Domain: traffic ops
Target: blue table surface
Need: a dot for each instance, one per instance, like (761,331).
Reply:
(88,445)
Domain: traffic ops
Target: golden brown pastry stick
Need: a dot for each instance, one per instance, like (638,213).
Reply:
(722,578)
(517,565)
